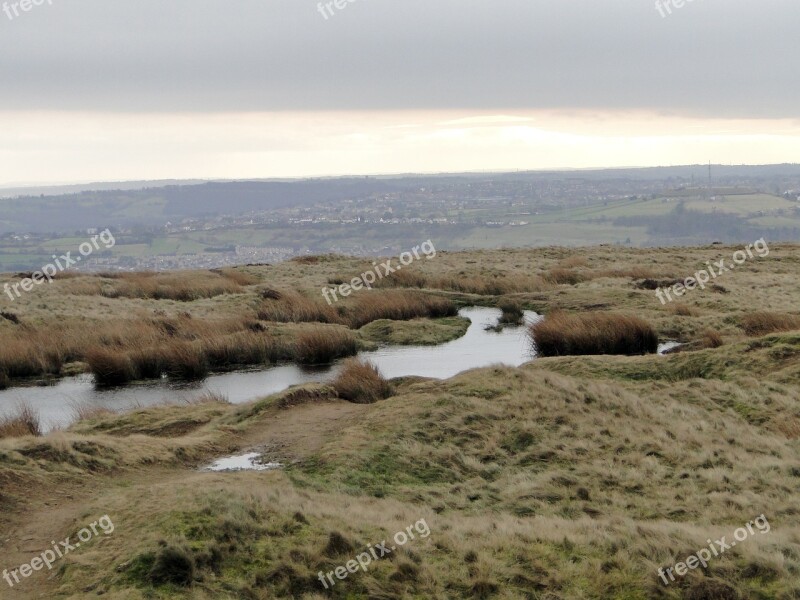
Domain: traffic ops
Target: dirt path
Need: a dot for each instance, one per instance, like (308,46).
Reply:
(290,434)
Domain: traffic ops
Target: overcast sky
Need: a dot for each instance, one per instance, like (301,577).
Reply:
(102,89)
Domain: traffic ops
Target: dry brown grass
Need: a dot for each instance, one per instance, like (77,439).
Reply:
(116,350)
(632,272)
(110,367)
(322,345)
(355,312)
(187,361)
(208,397)
(238,276)
(24,422)
(467,283)
(627,463)
(763,323)
(564,277)
(361,382)
(562,334)
(293,307)
(88,412)
(396,305)
(573,262)
(711,339)
(682,310)
(586,460)
(182,286)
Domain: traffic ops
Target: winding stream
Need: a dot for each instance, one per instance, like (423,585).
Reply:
(477,348)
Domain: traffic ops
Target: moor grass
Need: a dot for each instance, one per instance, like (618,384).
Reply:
(570,477)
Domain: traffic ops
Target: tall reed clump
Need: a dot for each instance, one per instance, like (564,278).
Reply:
(562,334)
(110,367)
(292,307)
(763,323)
(24,422)
(397,305)
(29,355)
(361,382)
(187,361)
(323,345)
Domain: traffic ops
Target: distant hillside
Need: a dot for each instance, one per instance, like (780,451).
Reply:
(151,206)
(67,209)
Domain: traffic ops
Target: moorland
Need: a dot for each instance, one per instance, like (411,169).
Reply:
(572,476)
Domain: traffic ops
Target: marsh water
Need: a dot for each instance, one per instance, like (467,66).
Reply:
(479,347)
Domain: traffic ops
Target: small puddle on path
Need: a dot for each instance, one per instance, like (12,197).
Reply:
(242,462)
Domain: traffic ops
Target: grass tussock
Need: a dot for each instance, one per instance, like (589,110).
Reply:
(323,345)
(361,382)
(711,339)
(22,423)
(292,307)
(110,368)
(397,306)
(763,323)
(187,361)
(562,334)
(512,312)
(122,350)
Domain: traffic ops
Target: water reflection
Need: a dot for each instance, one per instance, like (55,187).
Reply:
(477,348)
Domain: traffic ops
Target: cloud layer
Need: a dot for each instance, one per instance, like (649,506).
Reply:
(710,58)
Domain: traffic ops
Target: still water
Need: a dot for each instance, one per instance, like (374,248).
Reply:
(477,348)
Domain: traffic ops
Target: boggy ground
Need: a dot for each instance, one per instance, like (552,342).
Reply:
(569,477)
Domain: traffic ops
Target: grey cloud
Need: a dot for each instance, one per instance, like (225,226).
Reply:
(733,58)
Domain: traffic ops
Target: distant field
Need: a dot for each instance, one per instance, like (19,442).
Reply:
(582,226)
(552,234)
(742,205)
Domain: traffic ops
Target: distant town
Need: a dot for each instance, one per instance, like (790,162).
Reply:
(210,225)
